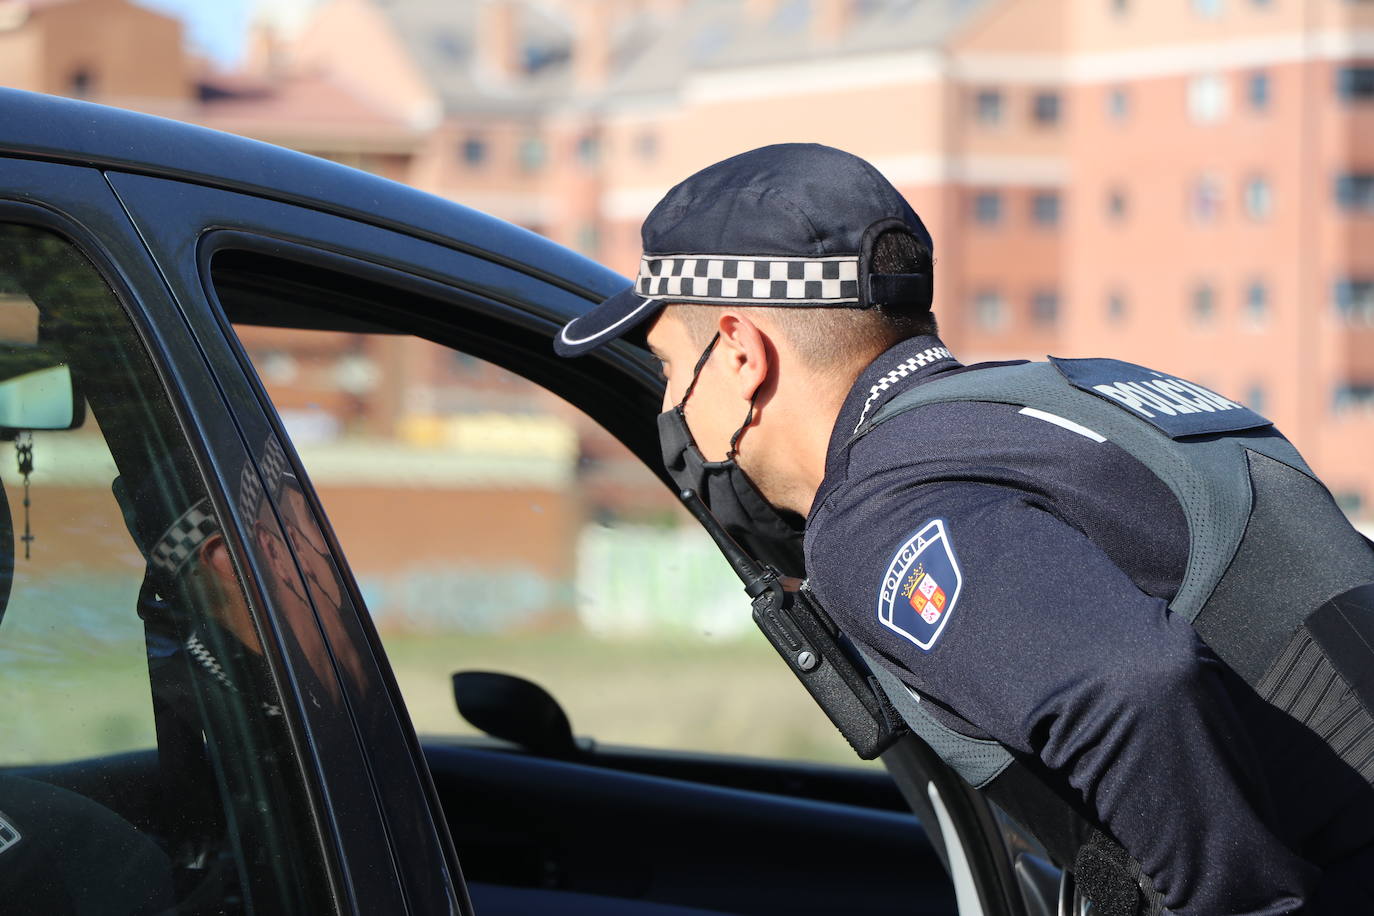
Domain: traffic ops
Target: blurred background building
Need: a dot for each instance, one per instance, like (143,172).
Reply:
(1182,183)
(1187,184)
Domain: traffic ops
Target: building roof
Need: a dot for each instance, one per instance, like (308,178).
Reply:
(306,111)
(653,50)
(48,127)
(442,38)
(654,53)
(872,26)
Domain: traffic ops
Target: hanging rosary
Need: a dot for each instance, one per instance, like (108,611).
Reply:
(24,452)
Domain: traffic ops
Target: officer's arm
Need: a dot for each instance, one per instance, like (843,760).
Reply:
(1051,649)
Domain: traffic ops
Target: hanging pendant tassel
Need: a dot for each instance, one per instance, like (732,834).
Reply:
(24,452)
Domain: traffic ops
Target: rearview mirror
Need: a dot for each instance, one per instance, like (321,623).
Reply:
(37,391)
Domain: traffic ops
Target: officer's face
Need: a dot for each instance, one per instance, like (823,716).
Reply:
(715,409)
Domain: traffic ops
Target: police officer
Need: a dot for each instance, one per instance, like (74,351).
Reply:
(1050,557)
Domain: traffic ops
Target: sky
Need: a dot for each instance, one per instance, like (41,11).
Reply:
(215,28)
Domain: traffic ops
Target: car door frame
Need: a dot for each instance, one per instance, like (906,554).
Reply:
(181,222)
(78,203)
(185,225)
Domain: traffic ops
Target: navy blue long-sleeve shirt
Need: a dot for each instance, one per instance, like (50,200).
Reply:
(1037,615)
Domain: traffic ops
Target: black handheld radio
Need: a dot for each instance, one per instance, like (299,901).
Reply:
(808,640)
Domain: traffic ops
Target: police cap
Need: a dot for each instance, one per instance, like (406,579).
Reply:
(786,225)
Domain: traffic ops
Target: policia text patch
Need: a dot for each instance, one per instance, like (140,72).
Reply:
(921,586)
(1175,406)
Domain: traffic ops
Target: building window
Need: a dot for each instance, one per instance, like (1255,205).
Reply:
(1353,397)
(1257,90)
(532,154)
(1118,103)
(1351,502)
(1116,307)
(1255,398)
(1355,301)
(1204,199)
(449,45)
(1208,98)
(277,367)
(1204,303)
(464,365)
(1258,198)
(646,145)
(1207,9)
(1045,308)
(81,84)
(1355,84)
(988,311)
(1355,191)
(790,16)
(1257,304)
(987,208)
(588,239)
(474,151)
(1045,208)
(1116,204)
(588,149)
(987,106)
(1045,108)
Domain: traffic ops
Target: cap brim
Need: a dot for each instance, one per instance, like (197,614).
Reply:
(603,323)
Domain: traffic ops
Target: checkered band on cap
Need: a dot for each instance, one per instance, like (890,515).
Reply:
(275,470)
(250,492)
(274,464)
(758,280)
(181,539)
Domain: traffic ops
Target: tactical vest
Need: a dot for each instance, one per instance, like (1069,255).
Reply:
(1252,505)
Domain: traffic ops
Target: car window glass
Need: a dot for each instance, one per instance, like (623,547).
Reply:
(493,526)
(145,765)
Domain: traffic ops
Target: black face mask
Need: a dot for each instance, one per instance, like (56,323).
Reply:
(769,534)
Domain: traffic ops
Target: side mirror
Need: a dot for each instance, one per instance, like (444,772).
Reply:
(515,710)
(37,391)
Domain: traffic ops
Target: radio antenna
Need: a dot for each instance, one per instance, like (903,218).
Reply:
(756,577)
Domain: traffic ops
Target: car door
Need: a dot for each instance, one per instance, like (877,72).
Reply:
(505,312)
(242,786)
(390,785)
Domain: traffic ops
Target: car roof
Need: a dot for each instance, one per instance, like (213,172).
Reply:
(48,127)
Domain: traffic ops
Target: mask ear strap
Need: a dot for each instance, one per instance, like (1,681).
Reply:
(696,373)
(734,440)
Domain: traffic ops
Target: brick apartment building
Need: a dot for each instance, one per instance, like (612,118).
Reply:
(1183,183)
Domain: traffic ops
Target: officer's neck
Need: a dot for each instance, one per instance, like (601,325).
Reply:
(791,435)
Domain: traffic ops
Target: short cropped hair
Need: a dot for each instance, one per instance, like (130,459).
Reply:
(828,338)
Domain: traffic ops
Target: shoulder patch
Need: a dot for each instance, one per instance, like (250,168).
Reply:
(921,586)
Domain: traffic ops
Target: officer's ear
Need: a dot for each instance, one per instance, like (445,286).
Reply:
(748,351)
(214,555)
(223,594)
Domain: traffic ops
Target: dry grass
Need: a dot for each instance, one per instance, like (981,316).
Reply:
(731,696)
